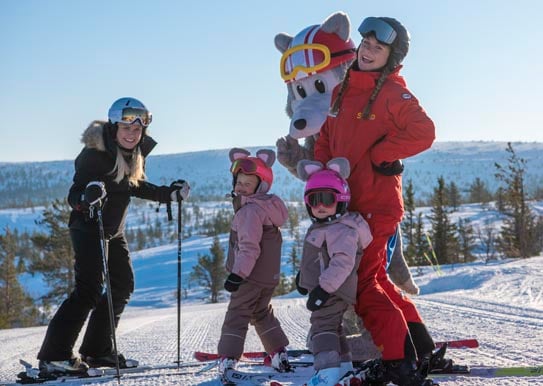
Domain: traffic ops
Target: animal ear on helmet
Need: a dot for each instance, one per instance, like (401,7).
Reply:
(339,24)
(306,168)
(282,41)
(237,153)
(266,155)
(340,165)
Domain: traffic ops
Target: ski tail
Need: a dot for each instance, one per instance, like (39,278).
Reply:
(459,343)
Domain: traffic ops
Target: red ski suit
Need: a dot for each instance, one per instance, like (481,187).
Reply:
(397,128)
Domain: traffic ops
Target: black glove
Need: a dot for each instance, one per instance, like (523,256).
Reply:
(180,186)
(233,282)
(390,168)
(301,290)
(317,298)
(95,192)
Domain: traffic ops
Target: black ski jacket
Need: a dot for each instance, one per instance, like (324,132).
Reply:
(95,163)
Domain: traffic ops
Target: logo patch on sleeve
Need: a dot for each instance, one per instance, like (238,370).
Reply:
(406,96)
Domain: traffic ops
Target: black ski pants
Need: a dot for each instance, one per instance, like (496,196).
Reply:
(90,295)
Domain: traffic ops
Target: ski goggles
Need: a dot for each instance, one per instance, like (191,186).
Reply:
(244,165)
(382,30)
(308,58)
(130,115)
(326,198)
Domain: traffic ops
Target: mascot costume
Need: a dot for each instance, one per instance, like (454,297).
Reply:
(312,64)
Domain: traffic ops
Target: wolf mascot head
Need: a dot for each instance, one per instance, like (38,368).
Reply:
(312,63)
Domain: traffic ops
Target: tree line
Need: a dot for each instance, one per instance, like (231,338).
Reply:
(441,241)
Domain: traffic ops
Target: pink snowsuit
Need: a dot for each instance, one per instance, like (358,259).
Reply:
(254,253)
(331,255)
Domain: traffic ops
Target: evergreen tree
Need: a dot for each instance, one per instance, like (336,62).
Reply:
(293,219)
(420,242)
(140,239)
(408,225)
(466,239)
(519,234)
(55,258)
(478,192)
(284,286)
(220,223)
(453,196)
(487,240)
(443,231)
(210,272)
(294,262)
(16,307)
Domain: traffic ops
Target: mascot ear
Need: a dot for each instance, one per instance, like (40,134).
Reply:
(337,23)
(266,155)
(282,41)
(237,153)
(340,165)
(306,168)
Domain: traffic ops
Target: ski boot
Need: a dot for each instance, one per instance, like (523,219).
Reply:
(436,363)
(279,361)
(226,364)
(402,372)
(109,361)
(325,377)
(71,366)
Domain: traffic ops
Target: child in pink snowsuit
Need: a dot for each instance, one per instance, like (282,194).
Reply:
(254,259)
(333,247)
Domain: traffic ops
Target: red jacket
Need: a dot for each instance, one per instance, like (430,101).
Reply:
(398,128)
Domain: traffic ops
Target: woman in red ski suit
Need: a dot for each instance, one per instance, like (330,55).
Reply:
(375,122)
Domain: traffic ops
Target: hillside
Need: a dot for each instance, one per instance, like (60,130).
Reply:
(23,184)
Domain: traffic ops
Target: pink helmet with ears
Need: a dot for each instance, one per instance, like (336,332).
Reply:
(327,179)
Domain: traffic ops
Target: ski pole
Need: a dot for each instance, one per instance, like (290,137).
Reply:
(104,247)
(179,237)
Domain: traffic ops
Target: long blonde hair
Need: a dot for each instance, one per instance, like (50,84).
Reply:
(133,169)
(93,138)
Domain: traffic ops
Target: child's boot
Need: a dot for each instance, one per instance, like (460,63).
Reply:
(279,361)
(226,364)
(325,377)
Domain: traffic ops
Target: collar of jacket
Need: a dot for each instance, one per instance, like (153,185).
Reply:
(97,136)
(368,79)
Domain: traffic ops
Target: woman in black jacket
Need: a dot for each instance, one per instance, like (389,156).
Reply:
(108,171)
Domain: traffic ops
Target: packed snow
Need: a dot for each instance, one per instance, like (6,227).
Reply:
(499,303)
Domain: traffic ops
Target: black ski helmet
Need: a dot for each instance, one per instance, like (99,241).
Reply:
(400,45)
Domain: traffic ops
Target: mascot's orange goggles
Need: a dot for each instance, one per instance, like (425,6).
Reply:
(304,57)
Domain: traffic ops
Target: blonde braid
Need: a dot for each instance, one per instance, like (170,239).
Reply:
(334,110)
(376,90)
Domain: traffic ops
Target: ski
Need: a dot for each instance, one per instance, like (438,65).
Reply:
(496,372)
(207,356)
(32,375)
(459,343)
(246,378)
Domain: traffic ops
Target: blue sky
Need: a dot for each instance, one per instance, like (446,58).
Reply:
(209,71)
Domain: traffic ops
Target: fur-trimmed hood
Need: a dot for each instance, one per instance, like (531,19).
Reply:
(100,136)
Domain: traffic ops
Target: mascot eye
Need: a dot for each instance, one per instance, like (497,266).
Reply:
(319,85)
(301,91)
